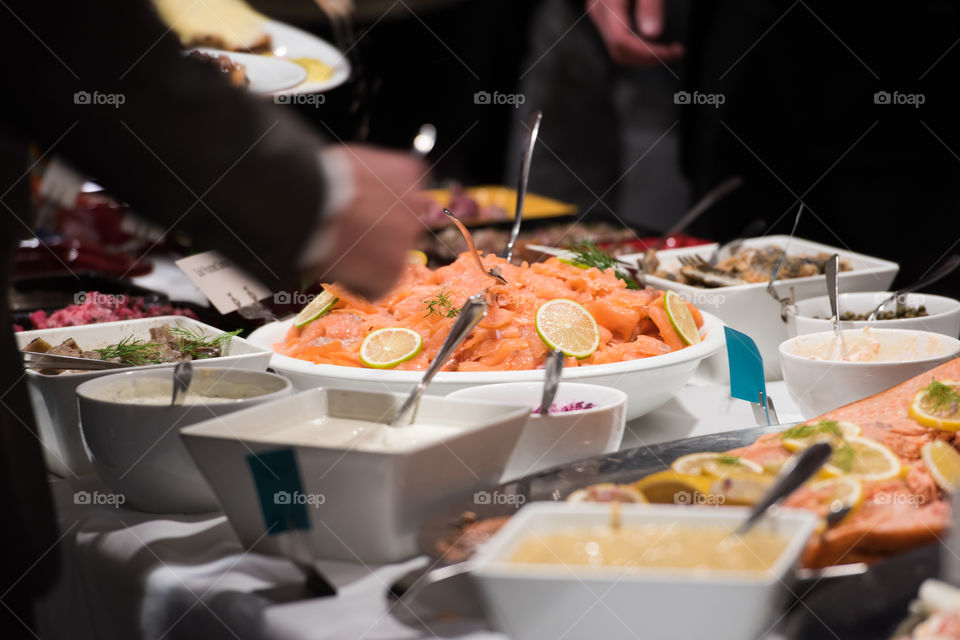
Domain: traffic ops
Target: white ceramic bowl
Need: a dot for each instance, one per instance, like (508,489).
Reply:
(811,315)
(135,448)
(750,309)
(648,382)
(358,505)
(557,438)
(531,602)
(54,398)
(818,386)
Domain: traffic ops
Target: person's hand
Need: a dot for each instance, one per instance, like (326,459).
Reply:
(627,48)
(368,240)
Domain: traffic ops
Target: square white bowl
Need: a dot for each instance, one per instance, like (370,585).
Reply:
(750,309)
(360,505)
(812,315)
(54,398)
(532,602)
(559,437)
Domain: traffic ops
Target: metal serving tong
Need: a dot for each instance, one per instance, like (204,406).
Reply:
(789,301)
(472,312)
(789,480)
(493,272)
(37,360)
(534,129)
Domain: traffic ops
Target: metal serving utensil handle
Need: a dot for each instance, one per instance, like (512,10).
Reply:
(522,183)
(807,464)
(832,271)
(949,266)
(182,375)
(551,381)
(469,316)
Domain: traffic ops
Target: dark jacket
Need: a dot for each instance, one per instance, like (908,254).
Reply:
(183,148)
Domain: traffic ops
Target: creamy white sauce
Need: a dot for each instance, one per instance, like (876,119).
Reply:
(360,435)
(157,392)
(865,346)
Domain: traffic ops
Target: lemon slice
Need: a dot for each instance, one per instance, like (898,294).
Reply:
(865,458)
(715,464)
(565,325)
(670,487)
(739,488)
(681,318)
(416,257)
(936,406)
(317,307)
(943,463)
(385,348)
(607,492)
(802,436)
(843,492)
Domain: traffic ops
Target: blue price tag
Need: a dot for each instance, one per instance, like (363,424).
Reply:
(277,478)
(746,366)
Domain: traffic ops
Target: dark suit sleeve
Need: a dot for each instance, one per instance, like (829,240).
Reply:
(182,147)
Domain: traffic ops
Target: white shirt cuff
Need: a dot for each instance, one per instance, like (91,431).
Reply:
(339,190)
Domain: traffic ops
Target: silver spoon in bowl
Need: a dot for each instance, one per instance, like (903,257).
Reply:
(469,316)
(552,371)
(949,266)
(534,129)
(182,375)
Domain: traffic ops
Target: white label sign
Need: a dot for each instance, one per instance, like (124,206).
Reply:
(227,286)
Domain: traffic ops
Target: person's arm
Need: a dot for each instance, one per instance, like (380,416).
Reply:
(185,149)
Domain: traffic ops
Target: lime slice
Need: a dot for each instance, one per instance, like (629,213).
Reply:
(416,257)
(681,318)
(565,325)
(386,348)
(317,307)
(943,463)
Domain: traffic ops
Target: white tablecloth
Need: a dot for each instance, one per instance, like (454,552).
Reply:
(130,575)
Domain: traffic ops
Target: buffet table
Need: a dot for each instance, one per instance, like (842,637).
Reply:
(127,574)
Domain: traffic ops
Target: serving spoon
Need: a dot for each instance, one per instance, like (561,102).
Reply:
(493,272)
(553,369)
(182,376)
(470,314)
(832,271)
(534,129)
(945,269)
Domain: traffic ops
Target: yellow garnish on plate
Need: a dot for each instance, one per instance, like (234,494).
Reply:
(865,458)
(943,463)
(714,464)
(937,406)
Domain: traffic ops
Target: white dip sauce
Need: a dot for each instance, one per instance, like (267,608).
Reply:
(361,435)
(157,392)
(863,345)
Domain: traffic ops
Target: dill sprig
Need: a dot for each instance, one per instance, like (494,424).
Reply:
(587,255)
(132,351)
(440,305)
(198,345)
(843,457)
(727,459)
(806,430)
(941,396)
